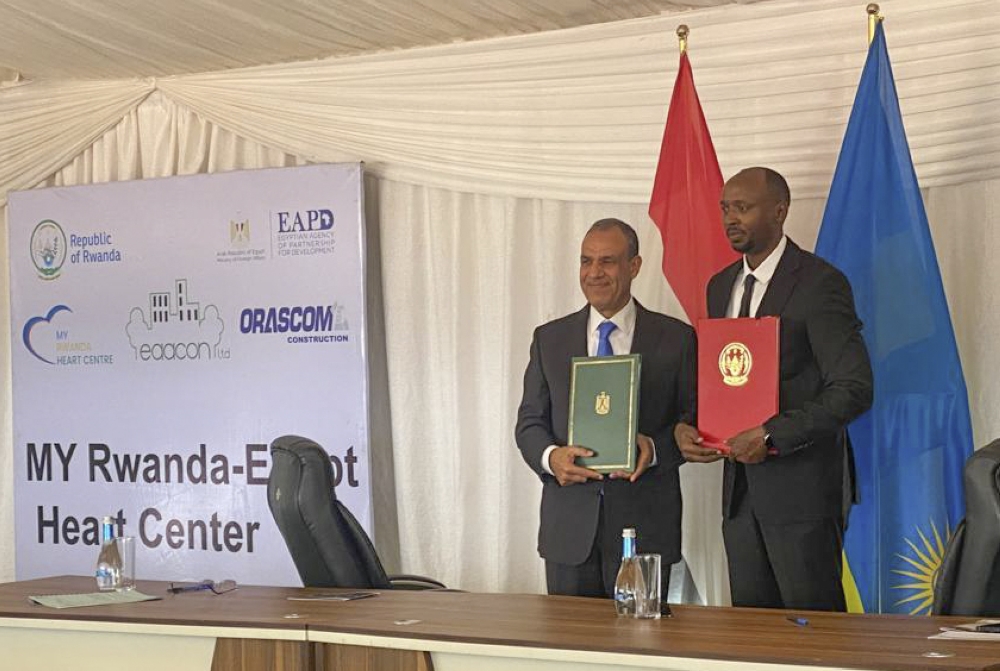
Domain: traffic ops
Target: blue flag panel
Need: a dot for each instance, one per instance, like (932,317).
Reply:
(911,446)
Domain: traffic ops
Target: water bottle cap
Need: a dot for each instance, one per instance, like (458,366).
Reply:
(628,532)
(107,519)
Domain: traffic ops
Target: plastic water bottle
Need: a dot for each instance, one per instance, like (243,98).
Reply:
(628,583)
(109,562)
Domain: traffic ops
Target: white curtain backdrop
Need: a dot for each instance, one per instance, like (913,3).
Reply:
(489,160)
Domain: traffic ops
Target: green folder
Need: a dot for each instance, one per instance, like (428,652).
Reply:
(604,410)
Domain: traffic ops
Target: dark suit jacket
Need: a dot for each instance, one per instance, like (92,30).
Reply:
(826,381)
(652,504)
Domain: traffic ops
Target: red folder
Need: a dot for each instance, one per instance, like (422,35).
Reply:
(737,376)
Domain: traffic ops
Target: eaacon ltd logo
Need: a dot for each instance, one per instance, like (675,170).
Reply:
(304,324)
(305,232)
(176,328)
(52,339)
(48,249)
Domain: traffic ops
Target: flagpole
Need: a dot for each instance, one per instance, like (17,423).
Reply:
(682,38)
(873,18)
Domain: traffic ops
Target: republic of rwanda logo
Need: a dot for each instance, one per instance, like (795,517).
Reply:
(48,249)
(921,563)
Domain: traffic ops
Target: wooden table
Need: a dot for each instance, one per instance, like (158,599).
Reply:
(258,628)
(195,630)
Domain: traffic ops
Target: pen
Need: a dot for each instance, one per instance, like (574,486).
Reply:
(189,588)
(797,621)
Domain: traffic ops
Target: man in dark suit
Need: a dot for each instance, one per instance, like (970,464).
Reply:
(583,513)
(784,511)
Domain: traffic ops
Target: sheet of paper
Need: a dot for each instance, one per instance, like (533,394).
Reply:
(91,599)
(967,632)
(333,596)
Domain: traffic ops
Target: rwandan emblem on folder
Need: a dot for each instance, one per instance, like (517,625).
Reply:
(602,403)
(735,363)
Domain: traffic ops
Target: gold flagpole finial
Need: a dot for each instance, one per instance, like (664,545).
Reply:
(682,37)
(873,18)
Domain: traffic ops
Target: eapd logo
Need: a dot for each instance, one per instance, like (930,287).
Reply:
(304,233)
(304,222)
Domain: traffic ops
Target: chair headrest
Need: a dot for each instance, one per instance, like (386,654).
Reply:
(303,455)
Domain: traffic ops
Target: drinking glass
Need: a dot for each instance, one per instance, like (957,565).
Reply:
(647,599)
(126,550)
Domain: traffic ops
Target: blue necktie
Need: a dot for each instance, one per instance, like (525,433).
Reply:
(604,330)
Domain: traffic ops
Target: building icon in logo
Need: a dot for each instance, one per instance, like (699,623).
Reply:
(161,308)
(48,249)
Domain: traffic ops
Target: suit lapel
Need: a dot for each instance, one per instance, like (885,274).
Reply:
(719,292)
(640,334)
(780,288)
(576,344)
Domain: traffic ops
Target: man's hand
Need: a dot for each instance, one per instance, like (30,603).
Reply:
(748,446)
(690,445)
(562,461)
(642,462)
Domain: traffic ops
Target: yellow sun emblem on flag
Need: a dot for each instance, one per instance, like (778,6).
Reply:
(923,560)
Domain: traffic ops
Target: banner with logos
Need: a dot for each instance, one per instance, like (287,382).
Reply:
(164,332)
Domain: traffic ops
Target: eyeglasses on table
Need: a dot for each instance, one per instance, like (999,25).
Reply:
(213,586)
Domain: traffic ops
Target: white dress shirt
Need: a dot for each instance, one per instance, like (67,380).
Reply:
(762,274)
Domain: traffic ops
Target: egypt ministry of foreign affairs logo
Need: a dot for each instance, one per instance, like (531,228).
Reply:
(735,363)
(48,249)
(239,232)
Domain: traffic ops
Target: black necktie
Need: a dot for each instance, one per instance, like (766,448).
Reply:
(738,473)
(747,296)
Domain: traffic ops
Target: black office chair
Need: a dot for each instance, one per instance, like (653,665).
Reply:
(968,581)
(328,546)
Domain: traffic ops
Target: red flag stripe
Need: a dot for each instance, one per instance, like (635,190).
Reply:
(684,204)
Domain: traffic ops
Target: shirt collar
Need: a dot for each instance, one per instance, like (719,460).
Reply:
(624,319)
(765,271)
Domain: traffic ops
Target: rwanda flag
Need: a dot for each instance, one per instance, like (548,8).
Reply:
(911,446)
